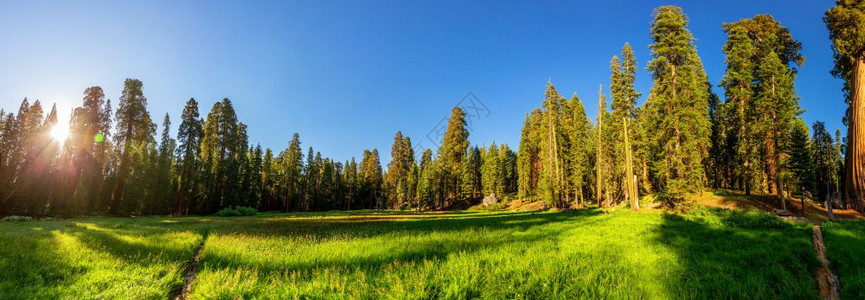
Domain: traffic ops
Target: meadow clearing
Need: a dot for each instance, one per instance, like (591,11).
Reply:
(709,253)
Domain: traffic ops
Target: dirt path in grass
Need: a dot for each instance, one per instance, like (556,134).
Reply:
(189,277)
(828,282)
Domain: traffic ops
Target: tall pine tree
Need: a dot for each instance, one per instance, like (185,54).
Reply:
(680,103)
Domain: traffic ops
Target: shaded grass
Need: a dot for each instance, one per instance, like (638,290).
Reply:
(723,254)
(845,249)
(386,254)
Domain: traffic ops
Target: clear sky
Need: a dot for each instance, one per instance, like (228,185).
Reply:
(346,75)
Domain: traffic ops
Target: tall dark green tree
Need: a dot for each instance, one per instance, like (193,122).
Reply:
(769,47)
(825,162)
(350,180)
(528,160)
(426,188)
(292,166)
(223,147)
(8,137)
(164,167)
(189,138)
(253,177)
(778,105)
(749,43)
(370,180)
(452,154)
(550,183)
(310,178)
(269,181)
(680,102)
(89,127)
(492,171)
(472,187)
(399,169)
(579,165)
(507,170)
(801,155)
(135,130)
(738,85)
(42,168)
(624,100)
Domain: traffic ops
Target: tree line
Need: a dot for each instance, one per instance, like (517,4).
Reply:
(684,138)
(112,163)
(681,140)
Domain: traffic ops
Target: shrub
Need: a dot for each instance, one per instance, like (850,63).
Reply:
(676,202)
(748,219)
(648,201)
(237,211)
(753,219)
(722,192)
(500,206)
(246,211)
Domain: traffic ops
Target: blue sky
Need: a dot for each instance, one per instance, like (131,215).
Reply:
(346,75)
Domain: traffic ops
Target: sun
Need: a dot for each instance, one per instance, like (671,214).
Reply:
(60,132)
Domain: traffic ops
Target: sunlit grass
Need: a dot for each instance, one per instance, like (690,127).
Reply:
(527,255)
(112,258)
(381,254)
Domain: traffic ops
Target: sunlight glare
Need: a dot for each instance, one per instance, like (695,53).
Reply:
(60,132)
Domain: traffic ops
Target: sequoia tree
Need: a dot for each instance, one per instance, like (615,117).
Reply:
(452,153)
(189,136)
(134,129)
(846,22)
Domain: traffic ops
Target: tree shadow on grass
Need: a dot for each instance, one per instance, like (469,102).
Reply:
(727,257)
(364,226)
(412,242)
(143,247)
(158,247)
(119,238)
(31,267)
(118,244)
(371,260)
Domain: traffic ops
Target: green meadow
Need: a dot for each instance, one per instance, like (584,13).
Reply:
(386,254)
(845,246)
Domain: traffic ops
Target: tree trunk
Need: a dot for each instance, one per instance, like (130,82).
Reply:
(778,186)
(178,211)
(121,178)
(829,204)
(745,175)
(598,154)
(645,174)
(630,180)
(803,205)
(553,156)
(286,204)
(771,167)
(580,199)
(855,185)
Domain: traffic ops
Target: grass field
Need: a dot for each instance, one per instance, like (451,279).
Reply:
(845,246)
(577,254)
(92,258)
